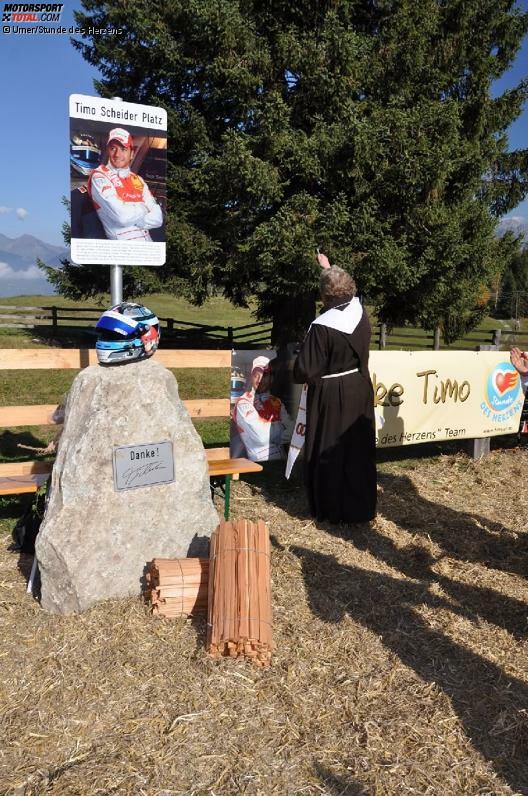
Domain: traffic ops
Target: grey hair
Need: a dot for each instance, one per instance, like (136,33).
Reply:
(336,286)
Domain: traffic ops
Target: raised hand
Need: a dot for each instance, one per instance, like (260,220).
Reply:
(519,360)
(323,260)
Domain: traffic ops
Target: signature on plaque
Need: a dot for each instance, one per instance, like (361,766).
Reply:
(140,471)
(143,465)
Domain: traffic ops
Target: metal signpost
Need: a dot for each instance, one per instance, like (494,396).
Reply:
(116,284)
(116,271)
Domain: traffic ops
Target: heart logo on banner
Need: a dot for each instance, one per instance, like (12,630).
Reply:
(505,380)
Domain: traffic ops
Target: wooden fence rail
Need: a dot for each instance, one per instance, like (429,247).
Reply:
(249,335)
(382,338)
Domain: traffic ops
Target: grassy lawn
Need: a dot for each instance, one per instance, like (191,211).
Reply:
(411,339)
(216,311)
(26,387)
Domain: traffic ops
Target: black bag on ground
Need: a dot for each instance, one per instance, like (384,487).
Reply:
(26,530)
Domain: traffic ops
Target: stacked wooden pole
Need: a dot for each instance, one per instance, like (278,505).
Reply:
(178,586)
(239,609)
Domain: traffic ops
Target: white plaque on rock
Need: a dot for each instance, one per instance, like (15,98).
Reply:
(148,464)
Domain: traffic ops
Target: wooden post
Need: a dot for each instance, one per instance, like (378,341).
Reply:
(479,447)
(230,336)
(170,325)
(496,337)
(382,336)
(54,322)
(436,341)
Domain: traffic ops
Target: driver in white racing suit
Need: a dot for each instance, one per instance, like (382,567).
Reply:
(260,418)
(122,199)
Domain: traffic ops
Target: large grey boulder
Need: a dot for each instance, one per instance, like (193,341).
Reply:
(95,542)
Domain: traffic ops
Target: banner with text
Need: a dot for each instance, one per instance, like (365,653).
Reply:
(423,396)
(118,166)
(419,396)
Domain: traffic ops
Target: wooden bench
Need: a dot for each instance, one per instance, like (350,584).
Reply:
(25,477)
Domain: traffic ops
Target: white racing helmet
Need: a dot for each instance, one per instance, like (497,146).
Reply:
(127,332)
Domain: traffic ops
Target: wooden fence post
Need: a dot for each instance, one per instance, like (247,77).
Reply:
(54,320)
(436,340)
(170,325)
(230,336)
(496,337)
(382,336)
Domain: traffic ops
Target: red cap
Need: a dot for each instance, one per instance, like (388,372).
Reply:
(122,136)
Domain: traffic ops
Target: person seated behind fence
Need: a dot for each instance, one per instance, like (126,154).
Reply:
(519,360)
(340,444)
(260,418)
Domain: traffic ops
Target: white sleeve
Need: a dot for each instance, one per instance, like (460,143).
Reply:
(123,214)
(154,216)
(256,432)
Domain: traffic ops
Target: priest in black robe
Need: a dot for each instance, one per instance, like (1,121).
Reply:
(340,441)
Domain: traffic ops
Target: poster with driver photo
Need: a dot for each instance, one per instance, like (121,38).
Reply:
(118,164)
(264,403)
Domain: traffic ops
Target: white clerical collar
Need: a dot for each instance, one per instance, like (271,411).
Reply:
(344,320)
(122,173)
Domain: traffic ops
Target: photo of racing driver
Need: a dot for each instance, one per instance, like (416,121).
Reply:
(122,199)
(261,426)
(118,189)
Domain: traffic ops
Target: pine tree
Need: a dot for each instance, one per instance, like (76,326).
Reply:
(513,296)
(365,127)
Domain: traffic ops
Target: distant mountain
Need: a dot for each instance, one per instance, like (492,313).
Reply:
(516,224)
(19,273)
(27,248)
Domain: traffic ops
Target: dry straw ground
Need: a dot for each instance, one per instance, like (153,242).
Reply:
(401,664)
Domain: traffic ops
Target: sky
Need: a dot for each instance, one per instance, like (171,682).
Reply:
(39,73)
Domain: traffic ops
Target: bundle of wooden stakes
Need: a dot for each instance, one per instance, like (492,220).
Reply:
(239,609)
(178,586)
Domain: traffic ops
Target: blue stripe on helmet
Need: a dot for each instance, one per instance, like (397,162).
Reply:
(114,324)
